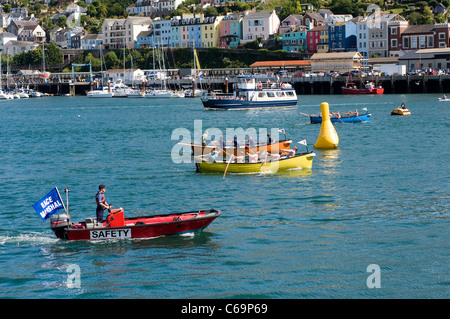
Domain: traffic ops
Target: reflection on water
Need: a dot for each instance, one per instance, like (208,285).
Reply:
(328,161)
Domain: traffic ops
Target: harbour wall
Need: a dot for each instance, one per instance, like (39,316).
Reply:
(302,85)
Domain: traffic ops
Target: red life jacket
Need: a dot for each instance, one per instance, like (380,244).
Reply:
(96,198)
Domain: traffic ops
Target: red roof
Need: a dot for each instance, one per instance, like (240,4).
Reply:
(281,63)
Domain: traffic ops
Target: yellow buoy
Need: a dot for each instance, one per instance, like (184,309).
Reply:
(328,137)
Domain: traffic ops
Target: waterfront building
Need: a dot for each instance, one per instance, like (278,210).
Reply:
(128,76)
(91,41)
(211,31)
(162,33)
(28,31)
(16,47)
(295,40)
(396,26)
(378,43)
(5,37)
(175,32)
(313,19)
(291,22)
(230,30)
(58,36)
(362,38)
(259,25)
(119,33)
(336,61)
(435,58)
(144,39)
(113,31)
(336,18)
(342,36)
(317,40)
(153,8)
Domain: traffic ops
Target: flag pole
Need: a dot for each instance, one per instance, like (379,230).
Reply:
(67,190)
(67,193)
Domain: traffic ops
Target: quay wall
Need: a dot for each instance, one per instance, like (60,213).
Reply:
(302,85)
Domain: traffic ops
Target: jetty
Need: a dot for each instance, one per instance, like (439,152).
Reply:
(65,84)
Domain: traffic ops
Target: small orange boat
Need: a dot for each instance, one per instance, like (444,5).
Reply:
(241,151)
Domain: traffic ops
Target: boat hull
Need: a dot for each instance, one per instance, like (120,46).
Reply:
(401,111)
(352,91)
(303,160)
(142,227)
(364,118)
(237,104)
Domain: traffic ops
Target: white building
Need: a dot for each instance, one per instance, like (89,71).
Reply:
(128,76)
(16,47)
(362,38)
(91,42)
(259,25)
(153,8)
(118,33)
(5,37)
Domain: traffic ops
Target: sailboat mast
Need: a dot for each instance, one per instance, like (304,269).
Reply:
(43,58)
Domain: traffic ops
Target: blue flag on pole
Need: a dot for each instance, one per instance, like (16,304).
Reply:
(49,204)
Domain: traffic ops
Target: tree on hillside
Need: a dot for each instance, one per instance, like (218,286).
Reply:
(53,54)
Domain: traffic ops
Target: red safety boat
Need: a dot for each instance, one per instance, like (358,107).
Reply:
(117,226)
(369,88)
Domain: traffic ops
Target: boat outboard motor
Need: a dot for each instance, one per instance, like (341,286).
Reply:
(58,223)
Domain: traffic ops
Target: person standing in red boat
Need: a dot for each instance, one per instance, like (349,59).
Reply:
(101,202)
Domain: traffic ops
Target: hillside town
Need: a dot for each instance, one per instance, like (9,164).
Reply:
(149,24)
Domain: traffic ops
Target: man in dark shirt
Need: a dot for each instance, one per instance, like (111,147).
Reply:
(101,203)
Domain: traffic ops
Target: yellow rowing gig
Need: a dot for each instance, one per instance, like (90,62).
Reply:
(299,161)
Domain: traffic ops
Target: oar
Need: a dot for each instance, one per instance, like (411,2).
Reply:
(265,160)
(231,158)
(305,114)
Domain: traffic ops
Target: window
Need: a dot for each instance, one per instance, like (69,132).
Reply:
(394,30)
(405,42)
(413,42)
(430,39)
(441,35)
(422,41)
(394,43)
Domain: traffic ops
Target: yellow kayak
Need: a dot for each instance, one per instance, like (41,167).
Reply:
(303,160)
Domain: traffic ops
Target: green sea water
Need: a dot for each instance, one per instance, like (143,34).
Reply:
(381,198)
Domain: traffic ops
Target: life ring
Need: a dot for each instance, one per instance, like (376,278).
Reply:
(283,86)
(259,86)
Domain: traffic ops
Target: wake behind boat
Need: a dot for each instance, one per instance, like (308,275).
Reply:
(250,94)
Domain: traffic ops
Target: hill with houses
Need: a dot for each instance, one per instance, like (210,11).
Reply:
(279,29)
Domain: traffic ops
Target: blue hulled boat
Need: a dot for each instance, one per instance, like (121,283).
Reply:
(252,94)
(345,118)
